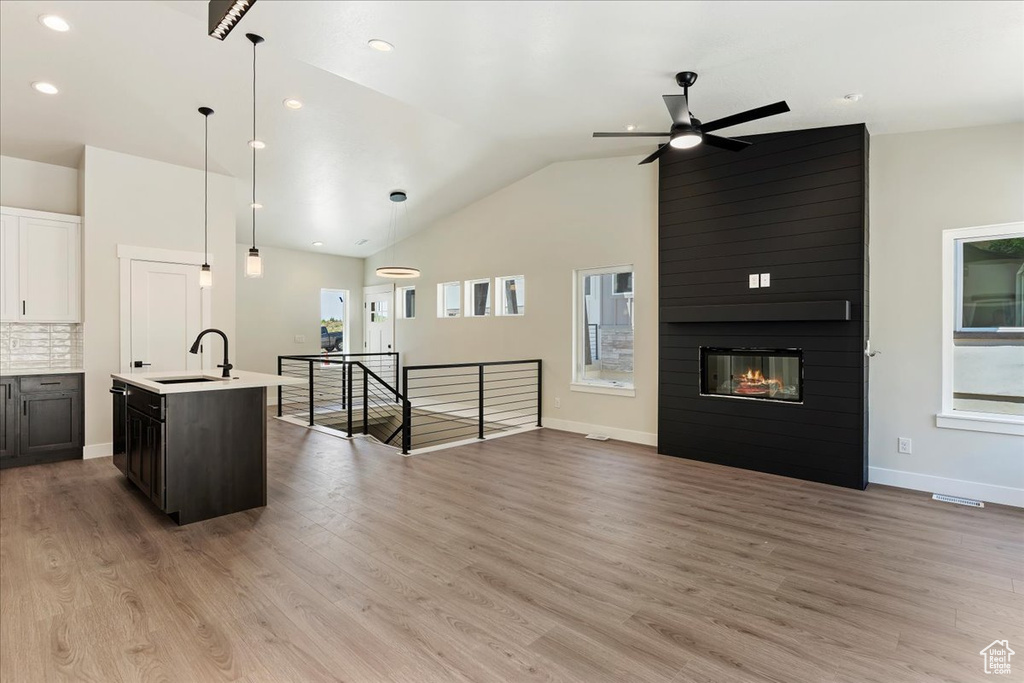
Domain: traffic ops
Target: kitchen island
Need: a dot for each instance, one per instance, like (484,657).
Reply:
(195,444)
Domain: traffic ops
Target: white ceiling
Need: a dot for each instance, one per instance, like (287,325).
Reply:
(476,94)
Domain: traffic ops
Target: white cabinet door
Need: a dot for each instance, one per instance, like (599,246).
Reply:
(50,273)
(10,262)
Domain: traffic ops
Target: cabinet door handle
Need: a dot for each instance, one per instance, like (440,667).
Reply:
(48,384)
(23,307)
(24,408)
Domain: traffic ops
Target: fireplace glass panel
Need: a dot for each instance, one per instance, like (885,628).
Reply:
(765,374)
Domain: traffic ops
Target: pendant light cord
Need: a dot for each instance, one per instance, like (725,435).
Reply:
(206,191)
(253,143)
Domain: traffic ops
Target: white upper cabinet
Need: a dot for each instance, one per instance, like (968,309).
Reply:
(42,267)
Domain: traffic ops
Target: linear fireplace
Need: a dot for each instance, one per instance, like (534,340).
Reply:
(760,374)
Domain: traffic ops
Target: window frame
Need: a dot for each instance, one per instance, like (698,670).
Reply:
(499,296)
(952,316)
(442,310)
(469,292)
(346,315)
(597,386)
(402,313)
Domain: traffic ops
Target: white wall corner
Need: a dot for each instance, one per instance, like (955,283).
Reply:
(97,450)
(630,435)
(990,493)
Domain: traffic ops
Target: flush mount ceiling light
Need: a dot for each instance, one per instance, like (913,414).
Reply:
(318,244)
(224,15)
(399,272)
(853,97)
(55,23)
(293,103)
(630,127)
(380,45)
(45,88)
(205,274)
(253,262)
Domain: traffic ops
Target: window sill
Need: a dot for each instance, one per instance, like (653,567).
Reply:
(607,389)
(981,422)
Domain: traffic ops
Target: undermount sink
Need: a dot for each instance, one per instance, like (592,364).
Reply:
(185,380)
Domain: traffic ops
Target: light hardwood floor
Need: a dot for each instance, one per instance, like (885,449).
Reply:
(536,557)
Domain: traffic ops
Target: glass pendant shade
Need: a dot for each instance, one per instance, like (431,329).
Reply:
(253,264)
(397,272)
(205,276)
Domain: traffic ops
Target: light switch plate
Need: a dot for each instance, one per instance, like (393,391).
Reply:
(754,281)
(766,279)
(300,339)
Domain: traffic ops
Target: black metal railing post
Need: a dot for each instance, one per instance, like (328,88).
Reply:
(344,392)
(366,402)
(279,369)
(311,394)
(406,413)
(348,371)
(398,386)
(539,393)
(480,435)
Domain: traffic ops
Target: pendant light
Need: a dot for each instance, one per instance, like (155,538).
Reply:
(205,274)
(399,272)
(253,262)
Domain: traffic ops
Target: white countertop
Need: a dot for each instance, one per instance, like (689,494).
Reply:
(240,379)
(25,372)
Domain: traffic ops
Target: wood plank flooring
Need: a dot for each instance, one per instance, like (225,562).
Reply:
(536,557)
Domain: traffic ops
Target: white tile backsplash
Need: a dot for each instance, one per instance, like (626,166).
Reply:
(40,346)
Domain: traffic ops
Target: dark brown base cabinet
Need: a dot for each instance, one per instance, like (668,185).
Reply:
(41,419)
(196,455)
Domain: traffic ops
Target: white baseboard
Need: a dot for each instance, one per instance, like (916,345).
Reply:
(97,450)
(990,493)
(633,436)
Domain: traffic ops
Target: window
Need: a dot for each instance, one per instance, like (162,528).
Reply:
(478,298)
(333,311)
(983,348)
(407,302)
(603,330)
(448,299)
(511,293)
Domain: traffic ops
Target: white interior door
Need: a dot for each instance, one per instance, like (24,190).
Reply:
(378,319)
(166,316)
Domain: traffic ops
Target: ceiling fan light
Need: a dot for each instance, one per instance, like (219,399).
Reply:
(398,272)
(685,140)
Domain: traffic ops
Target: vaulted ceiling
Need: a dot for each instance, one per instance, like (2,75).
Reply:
(475,94)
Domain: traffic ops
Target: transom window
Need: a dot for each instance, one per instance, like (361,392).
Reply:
(510,291)
(449,299)
(407,302)
(478,298)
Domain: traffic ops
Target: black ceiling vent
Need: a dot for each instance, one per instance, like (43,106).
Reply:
(225,15)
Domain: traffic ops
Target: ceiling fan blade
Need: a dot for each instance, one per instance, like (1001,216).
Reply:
(744,117)
(661,150)
(731,144)
(631,135)
(678,108)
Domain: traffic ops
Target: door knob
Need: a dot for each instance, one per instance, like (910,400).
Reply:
(139,364)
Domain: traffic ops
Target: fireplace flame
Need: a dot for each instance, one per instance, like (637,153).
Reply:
(754,382)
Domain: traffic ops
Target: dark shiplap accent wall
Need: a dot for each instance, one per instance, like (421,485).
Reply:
(793,205)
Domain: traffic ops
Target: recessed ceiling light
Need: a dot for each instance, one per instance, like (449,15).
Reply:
(292,103)
(45,88)
(318,244)
(257,144)
(380,45)
(255,205)
(630,127)
(853,97)
(52,21)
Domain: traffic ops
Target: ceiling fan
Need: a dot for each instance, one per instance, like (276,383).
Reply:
(687,130)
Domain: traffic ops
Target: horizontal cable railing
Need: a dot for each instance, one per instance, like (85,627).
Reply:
(431,406)
(457,401)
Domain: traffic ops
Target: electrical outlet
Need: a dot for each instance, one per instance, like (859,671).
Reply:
(558,403)
(903,444)
(754,281)
(300,339)
(766,279)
